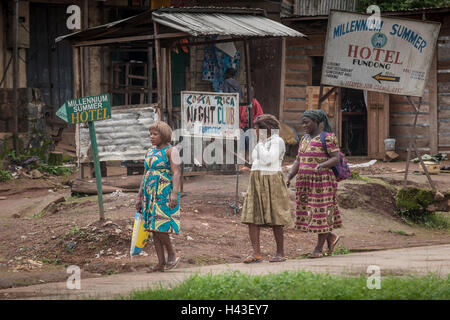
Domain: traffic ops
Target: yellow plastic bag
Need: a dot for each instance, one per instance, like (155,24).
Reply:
(139,237)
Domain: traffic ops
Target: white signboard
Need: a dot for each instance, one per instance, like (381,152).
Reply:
(210,114)
(381,54)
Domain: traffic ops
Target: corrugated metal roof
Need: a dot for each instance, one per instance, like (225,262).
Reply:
(203,24)
(197,21)
(403,12)
(123,137)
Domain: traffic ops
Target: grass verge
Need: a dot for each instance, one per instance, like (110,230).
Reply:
(299,285)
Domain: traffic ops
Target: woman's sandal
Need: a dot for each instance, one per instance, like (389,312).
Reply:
(252,259)
(173,265)
(277,259)
(155,269)
(331,247)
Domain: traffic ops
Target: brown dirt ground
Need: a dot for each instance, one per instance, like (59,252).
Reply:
(37,248)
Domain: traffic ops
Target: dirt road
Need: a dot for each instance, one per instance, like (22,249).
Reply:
(415,261)
(36,248)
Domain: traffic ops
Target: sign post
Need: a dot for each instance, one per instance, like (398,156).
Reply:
(89,109)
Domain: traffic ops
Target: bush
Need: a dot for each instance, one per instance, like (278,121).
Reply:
(412,203)
(5,175)
(55,170)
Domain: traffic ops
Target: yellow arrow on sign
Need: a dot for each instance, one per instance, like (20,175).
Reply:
(379,77)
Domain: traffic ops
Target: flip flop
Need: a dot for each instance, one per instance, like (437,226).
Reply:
(155,269)
(277,259)
(252,259)
(315,255)
(331,248)
(173,265)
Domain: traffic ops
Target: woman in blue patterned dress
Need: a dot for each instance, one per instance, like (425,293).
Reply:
(158,196)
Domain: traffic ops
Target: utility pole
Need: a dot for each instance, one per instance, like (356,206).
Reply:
(16,75)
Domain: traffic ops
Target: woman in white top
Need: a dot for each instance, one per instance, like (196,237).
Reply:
(267,201)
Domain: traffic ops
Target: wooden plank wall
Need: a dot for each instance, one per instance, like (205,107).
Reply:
(297,76)
(443,79)
(433,125)
(402,119)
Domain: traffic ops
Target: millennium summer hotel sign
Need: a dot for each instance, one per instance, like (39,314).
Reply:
(381,54)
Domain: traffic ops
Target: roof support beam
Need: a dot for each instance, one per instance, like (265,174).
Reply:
(130,39)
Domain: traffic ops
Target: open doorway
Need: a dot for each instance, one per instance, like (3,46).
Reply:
(354,122)
(353,117)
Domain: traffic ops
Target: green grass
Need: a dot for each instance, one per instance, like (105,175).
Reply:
(438,220)
(338,250)
(354,175)
(433,220)
(400,232)
(55,170)
(298,285)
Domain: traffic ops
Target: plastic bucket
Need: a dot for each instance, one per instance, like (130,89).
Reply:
(389,144)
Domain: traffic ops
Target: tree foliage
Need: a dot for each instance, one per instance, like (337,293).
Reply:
(384,5)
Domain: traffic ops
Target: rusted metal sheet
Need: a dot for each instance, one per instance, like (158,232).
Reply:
(323,7)
(123,137)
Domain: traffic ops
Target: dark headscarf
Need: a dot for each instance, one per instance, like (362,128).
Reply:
(318,116)
(229,73)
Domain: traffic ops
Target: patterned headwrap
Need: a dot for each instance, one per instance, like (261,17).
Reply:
(318,116)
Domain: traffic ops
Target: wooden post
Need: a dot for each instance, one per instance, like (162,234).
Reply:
(127,82)
(283,77)
(163,82)
(77,93)
(319,103)
(158,67)
(169,87)
(150,75)
(15,58)
(412,144)
(433,106)
(249,84)
(86,50)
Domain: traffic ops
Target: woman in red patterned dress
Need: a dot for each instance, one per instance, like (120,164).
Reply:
(317,210)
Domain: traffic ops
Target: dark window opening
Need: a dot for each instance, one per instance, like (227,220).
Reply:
(317,63)
(354,122)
